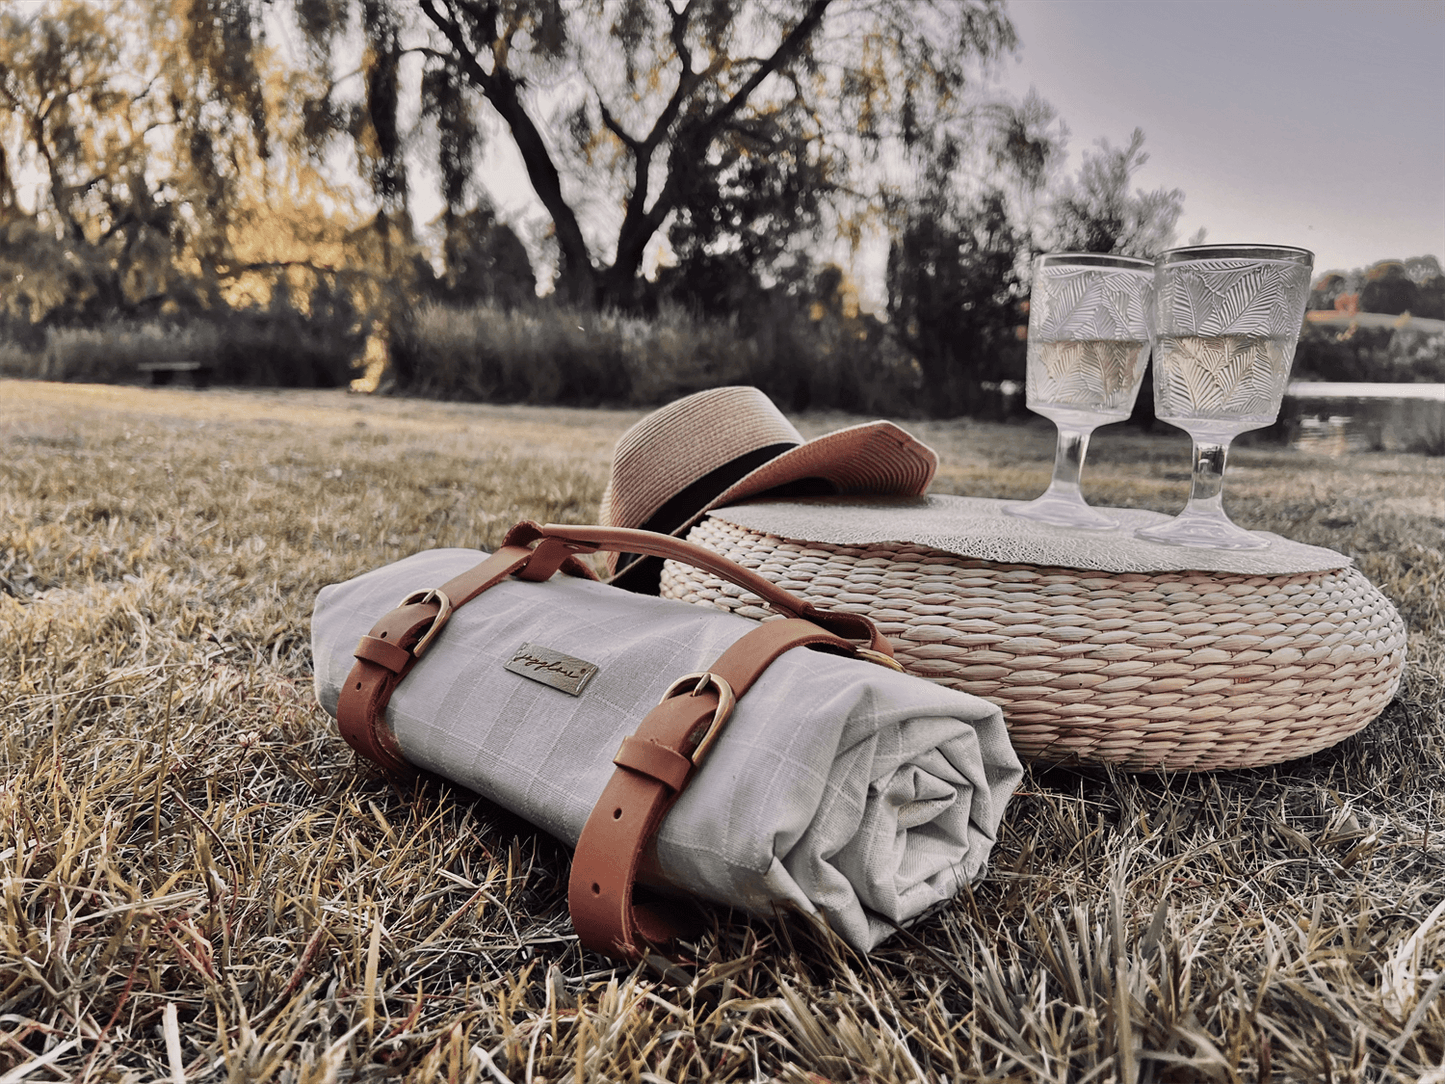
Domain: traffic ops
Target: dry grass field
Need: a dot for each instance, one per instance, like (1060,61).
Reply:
(199,881)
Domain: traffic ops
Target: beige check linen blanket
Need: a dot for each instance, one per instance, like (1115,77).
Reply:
(839,787)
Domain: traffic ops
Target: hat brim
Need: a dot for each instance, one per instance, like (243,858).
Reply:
(876,458)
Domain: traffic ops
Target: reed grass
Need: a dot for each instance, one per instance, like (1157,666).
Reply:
(199,881)
(269,348)
(553,354)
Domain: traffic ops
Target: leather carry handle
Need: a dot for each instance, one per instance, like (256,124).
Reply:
(590,539)
(386,654)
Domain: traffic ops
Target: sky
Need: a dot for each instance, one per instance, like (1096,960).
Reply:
(1317,123)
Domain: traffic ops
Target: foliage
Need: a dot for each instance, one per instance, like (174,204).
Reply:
(484,261)
(959,257)
(1416,286)
(73,117)
(50,281)
(1388,289)
(197,175)
(201,881)
(153,128)
(1393,287)
(1379,355)
(954,300)
(299,340)
(743,220)
(662,110)
(179,184)
(113,354)
(554,354)
(1376,354)
(1330,293)
(1096,212)
(1026,142)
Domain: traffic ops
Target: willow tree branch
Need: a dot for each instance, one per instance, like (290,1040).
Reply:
(502,89)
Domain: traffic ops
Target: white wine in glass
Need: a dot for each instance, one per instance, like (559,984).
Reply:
(1229,317)
(1089,320)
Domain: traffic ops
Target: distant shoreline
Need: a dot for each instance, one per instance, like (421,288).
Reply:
(1321,389)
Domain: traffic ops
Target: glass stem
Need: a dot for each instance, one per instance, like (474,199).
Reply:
(1068,462)
(1206,487)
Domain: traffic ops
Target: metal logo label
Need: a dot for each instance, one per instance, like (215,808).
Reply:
(552,668)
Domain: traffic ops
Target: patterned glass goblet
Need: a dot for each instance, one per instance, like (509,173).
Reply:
(1089,335)
(1229,318)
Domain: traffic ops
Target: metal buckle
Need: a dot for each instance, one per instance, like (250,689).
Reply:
(869,655)
(726,701)
(444,614)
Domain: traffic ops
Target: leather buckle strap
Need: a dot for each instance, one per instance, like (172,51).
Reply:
(726,701)
(444,614)
(392,647)
(653,766)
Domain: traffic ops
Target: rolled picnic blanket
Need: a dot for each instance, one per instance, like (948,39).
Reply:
(839,787)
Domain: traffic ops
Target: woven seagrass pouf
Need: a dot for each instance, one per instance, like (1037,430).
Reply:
(1151,669)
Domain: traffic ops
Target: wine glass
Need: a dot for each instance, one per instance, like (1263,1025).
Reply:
(1089,334)
(1229,317)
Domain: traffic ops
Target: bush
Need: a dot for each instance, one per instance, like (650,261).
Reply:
(543,354)
(248,347)
(555,354)
(17,361)
(833,361)
(286,349)
(113,354)
(1380,354)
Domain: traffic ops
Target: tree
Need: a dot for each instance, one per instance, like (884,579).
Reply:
(1026,146)
(1429,280)
(954,285)
(70,118)
(629,112)
(1326,292)
(730,240)
(164,149)
(1095,212)
(175,185)
(485,261)
(1423,269)
(1389,289)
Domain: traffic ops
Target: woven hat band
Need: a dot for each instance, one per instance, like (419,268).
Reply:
(684,442)
(682,508)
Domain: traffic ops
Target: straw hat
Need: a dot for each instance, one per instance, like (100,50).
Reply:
(724,445)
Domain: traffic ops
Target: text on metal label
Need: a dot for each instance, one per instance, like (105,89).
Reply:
(552,668)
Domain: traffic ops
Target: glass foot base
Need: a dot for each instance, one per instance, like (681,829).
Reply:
(1203,532)
(1062,512)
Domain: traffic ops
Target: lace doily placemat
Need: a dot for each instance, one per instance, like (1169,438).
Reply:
(979,528)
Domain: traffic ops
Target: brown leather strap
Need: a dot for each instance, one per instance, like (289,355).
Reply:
(387,653)
(590,539)
(647,783)
(361,709)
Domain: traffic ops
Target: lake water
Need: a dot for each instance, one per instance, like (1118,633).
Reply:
(1336,418)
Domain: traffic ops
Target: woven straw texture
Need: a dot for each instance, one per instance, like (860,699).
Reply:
(1148,671)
